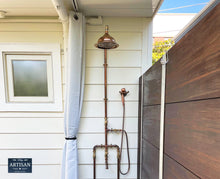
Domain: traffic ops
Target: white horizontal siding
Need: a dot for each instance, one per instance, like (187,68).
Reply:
(115,75)
(39,135)
(30,27)
(34,125)
(38,172)
(126,40)
(33,135)
(94,58)
(36,37)
(55,125)
(124,70)
(54,157)
(85,157)
(113,92)
(31,141)
(30,114)
(102,173)
(96,109)
(87,124)
(39,157)
(54,172)
(87,141)
(55,141)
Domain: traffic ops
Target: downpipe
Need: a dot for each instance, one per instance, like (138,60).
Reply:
(162,111)
(64,18)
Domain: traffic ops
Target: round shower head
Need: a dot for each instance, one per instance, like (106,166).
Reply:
(106,41)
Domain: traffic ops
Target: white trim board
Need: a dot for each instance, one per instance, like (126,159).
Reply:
(32,48)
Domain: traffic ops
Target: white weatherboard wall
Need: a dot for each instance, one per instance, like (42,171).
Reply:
(39,135)
(124,68)
(36,135)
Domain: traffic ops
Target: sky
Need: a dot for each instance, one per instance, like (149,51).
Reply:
(194,6)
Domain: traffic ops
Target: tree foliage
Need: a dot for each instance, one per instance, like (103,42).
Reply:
(160,48)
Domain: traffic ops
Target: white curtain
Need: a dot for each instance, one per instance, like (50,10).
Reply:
(75,72)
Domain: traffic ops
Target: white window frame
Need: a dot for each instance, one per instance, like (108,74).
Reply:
(16,51)
(8,58)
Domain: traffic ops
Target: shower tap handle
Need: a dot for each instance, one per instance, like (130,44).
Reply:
(123,92)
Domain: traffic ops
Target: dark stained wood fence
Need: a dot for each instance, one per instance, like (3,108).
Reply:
(192,110)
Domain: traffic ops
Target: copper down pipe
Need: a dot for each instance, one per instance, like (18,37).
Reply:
(106,108)
(106,42)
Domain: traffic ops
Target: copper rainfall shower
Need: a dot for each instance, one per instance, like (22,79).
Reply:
(107,42)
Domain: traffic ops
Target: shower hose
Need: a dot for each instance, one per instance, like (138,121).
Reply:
(126,135)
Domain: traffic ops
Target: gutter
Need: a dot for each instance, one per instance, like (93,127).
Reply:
(157,8)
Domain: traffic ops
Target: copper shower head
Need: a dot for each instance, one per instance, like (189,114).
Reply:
(106,41)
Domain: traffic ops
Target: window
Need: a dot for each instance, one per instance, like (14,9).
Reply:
(31,75)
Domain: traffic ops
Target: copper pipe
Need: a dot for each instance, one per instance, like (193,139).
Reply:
(94,162)
(128,154)
(94,158)
(123,93)
(106,107)
(106,42)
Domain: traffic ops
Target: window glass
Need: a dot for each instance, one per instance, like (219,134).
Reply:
(30,77)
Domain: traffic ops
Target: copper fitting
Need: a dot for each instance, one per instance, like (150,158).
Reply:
(106,154)
(123,92)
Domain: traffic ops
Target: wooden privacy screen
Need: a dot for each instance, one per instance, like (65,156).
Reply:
(192,110)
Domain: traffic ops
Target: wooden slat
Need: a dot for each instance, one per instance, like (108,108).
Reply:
(192,136)
(192,132)
(150,161)
(174,170)
(152,85)
(193,70)
(151,124)
(150,165)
